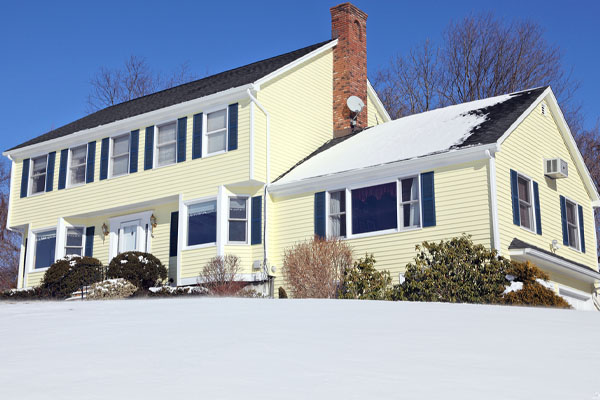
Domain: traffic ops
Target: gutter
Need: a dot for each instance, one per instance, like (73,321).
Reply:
(493,201)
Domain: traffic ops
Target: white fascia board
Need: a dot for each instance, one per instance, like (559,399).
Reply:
(382,172)
(378,103)
(132,123)
(294,64)
(126,207)
(555,263)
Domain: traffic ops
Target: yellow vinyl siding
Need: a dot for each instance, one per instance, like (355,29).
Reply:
(375,116)
(524,151)
(300,106)
(462,206)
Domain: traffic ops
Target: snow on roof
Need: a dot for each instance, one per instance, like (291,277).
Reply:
(418,135)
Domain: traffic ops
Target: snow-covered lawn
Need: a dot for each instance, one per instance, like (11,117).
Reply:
(295,349)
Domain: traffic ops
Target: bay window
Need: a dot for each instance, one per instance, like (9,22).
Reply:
(202,223)
(38,174)
(374,208)
(74,241)
(77,165)
(238,219)
(45,245)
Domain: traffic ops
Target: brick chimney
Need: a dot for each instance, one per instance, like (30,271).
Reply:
(349,27)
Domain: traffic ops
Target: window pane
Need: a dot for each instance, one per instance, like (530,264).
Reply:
(129,239)
(409,189)
(38,183)
(78,155)
(166,154)
(524,190)
(216,142)
(524,210)
(120,145)
(77,175)
(237,208)
(573,236)
(337,202)
(45,243)
(202,223)
(166,133)
(73,251)
(237,231)
(120,165)
(216,120)
(571,213)
(337,225)
(74,236)
(39,165)
(411,215)
(374,208)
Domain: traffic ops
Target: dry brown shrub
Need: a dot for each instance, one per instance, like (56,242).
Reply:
(313,269)
(220,276)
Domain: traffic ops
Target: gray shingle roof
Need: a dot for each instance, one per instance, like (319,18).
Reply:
(179,94)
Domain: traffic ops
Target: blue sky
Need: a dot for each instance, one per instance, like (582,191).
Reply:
(51,49)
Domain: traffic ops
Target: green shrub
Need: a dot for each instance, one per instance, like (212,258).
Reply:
(34,293)
(168,291)
(282,293)
(533,293)
(111,289)
(454,271)
(141,269)
(69,274)
(364,282)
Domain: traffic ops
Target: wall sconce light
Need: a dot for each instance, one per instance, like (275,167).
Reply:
(153,221)
(105,230)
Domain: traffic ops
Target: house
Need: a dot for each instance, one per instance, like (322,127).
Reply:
(255,159)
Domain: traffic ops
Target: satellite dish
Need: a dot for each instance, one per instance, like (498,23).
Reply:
(355,104)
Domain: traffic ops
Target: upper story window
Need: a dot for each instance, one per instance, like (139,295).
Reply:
(337,213)
(572,224)
(166,144)
(238,219)
(202,223)
(45,245)
(119,159)
(525,202)
(74,243)
(77,165)
(410,212)
(374,208)
(38,174)
(216,131)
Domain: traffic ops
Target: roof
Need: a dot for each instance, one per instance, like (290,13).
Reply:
(444,129)
(519,244)
(178,94)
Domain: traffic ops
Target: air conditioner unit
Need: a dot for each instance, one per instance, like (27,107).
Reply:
(556,168)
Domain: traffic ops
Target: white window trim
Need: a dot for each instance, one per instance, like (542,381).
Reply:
(145,241)
(576,204)
(419,201)
(248,213)
(531,196)
(29,180)
(205,134)
(83,238)
(111,155)
(69,166)
(156,146)
(184,230)
(31,248)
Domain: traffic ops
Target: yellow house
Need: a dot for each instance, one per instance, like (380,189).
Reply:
(253,160)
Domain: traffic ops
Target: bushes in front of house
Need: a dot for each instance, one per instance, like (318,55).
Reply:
(69,274)
(363,282)
(111,289)
(143,270)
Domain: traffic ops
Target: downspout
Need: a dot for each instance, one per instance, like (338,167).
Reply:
(493,200)
(267,181)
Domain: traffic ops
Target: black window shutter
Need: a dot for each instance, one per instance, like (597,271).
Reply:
(89,241)
(428,199)
(197,137)
(320,214)
(563,218)
(25,177)
(173,235)
(233,127)
(149,148)
(581,229)
(134,145)
(62,169)
(50,171)
(104,158)
(181,138)
(538,214)
(91,162)
(256,220)
(514,193)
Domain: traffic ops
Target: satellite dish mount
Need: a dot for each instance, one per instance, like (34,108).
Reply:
(356,105)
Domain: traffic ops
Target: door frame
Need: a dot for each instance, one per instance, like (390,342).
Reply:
(115,225)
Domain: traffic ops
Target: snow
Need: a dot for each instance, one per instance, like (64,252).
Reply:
(402,139)
(295,349)
(514,286)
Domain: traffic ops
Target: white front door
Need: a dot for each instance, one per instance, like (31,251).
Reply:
(130,233)
(129,236)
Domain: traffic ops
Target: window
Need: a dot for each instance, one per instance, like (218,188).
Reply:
(525,202)
(120,155)
(78,164)
(410,211)
(74,245)
(45,244)
(38,175)
(337,213)
(374,208)
(202,223)
(238,219)
(572,225)
(166,144)
(216,131)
